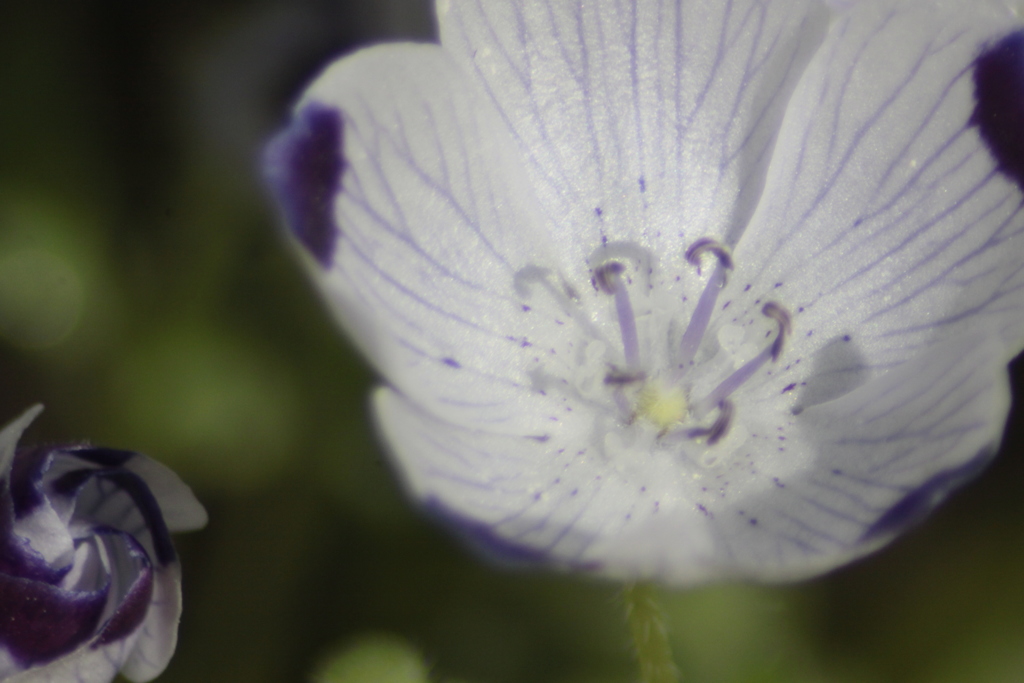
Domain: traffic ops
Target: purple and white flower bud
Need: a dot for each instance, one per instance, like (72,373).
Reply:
(89,581)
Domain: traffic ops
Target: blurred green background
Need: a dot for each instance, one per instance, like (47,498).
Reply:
(146,298)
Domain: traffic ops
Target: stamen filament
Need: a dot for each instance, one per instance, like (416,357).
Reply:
(706,304)
(747,370)
(627,323)
(732,383)
(701,316)
(609,278)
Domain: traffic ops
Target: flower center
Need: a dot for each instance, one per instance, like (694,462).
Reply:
(664,406)
(671,401)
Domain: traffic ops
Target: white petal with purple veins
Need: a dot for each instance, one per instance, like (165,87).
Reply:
(882,203)
(437,224)
(638,121)
(676,290)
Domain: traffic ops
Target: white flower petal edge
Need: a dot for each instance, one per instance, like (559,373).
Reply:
(528,232)
(854,472)
(439,224)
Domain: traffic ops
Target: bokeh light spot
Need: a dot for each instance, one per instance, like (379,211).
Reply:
(41,297)
(215,408)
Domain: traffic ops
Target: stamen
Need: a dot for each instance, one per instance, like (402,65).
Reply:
(608,278)
(706,304)
(705,245)
(718,429)
(619,380)
(747,370)
(781,316)
(616,377)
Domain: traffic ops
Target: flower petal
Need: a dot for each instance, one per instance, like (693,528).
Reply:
(84,665)
(119,499)
(551,501)
(434,221)
(157,637)
(858,470)
(11,433)
(42,622)
(638,121)
(886,454)
(888,213)
(178,505)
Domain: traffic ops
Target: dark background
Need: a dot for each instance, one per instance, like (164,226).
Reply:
(147,299)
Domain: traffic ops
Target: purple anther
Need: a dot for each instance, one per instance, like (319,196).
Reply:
(781,316)
(708,245)
(736,379)
(608,278)
(718,429)
(616,377)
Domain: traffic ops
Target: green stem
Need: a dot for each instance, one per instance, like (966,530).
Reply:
(650,637)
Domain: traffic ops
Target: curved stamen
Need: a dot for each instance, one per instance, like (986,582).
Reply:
(608,278)
(706,304)
(718,429)
(781,316)
(705,245)
(747,370)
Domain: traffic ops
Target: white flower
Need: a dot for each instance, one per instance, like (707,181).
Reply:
(676,290)
(89,581)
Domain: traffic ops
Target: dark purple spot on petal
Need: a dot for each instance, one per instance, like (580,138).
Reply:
(643,184)
(451,362)
(42,622)
(303,166)
(999,103)
(917,504)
